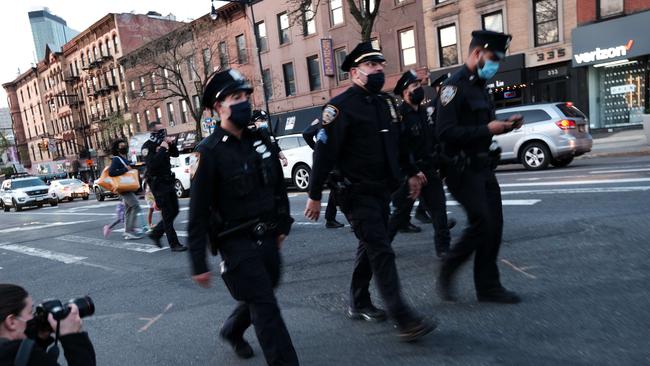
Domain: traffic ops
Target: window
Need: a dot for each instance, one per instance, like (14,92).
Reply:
(191,68)
(116,44)
(166,79)
(362,6)
(493,21)
(530,116)
(289,80)
(242,54)
(339,56)
(546,23)
(268,83)
(223,56)
(154,87)
(113,77)
(608,8)
(158,114)
(142,84)
(313,69)
(170,114)
(102,50)
(448,48)
(262,39)
(147,117)
(289,143)
(375,43)
(206,61)
(441,1)
(309,21)
(407,46)
(184,115)
(197,103)
(109,48)
(283,28)
(336,12)
(132,85)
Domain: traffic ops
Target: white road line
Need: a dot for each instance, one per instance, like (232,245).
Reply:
(136,247)
(65,213)
(569,170)
(178,232)
(575,183)
(506,202)
(42,253)
(38,227)
(620,171)
(580,190)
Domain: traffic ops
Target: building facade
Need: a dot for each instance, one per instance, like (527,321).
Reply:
(538,66)
(617,60)
(49,30)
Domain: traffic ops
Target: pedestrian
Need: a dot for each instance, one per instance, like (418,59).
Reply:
(151,204)
(119,218)
(418,136)
(260,119)
(119,165)
(156,152)
(238,178)
(466,124)
(361,138)
(309,135)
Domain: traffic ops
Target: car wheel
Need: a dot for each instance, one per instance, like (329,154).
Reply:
(40,205)
(85,198)
(98,195)
(178,188)
(535,156)
(54,203)
(300,177)
(70,199)
(6,208)
(561,163)
(17,206)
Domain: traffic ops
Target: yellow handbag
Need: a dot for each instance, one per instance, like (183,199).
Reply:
(127,182)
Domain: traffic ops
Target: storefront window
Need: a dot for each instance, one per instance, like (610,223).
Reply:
(623,93)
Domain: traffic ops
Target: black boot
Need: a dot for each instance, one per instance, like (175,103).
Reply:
(422,216)
(444,285)
(370,313)
(410,228)
(415,329)
(178,248)
(501,296)
(242,348)
(333,224)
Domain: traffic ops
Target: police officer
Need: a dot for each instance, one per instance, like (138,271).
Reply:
(156,152)
(309,135)
(361,139)
(260,119)
(418,136)
(466,125)
(238,178)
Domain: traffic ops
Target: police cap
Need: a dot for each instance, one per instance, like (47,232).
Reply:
(363,52)
(440,79)
(493,41)
(407,79)
(223,83)
(259,115)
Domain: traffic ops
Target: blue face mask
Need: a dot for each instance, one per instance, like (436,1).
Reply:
(488,70)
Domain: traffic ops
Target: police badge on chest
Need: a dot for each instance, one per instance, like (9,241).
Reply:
(261,149)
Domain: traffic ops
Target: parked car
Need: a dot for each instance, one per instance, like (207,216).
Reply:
(299,157)
(22,192)
(181,167)
(552,133)
(69,189)
(100,193)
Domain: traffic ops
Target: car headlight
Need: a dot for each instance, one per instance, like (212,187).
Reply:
(21,195)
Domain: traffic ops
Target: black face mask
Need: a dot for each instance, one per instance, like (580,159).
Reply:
(158,136)
(240,114)
(375,82)
(123,150)
(417,95)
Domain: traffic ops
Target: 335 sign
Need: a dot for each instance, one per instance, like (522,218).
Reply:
(550,55)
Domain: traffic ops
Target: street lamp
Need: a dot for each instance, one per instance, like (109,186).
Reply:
(214,16)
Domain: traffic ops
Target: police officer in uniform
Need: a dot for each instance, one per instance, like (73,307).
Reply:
(309,135)
(418,136)
(361,138)
(156,152)
(466,125)
(239,179)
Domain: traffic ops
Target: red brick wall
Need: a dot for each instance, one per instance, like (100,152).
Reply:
(588,12)
(635,6)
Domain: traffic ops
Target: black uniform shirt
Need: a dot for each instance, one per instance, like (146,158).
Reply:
(158,164)
(240,179)
(463,111)
(361,138)
(418,137)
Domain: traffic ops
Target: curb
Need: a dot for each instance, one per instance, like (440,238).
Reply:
(645,152)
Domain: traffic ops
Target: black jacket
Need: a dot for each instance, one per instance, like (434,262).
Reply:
(157,160)
(418,137)
(118,166)
(77,348)
(309,133)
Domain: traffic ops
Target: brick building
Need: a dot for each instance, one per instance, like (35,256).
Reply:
(612,46)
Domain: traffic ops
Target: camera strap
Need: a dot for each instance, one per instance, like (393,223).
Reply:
(24,352)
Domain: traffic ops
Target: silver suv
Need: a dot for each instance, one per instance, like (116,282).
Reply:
(22,192)
(552,133)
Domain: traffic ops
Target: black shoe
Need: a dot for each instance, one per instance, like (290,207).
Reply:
(155,239)
(242,348)
(333,224)
(502,296)
(451,223)
(370,313)
(179,248)
(410,228)
(415,330)
(444,286)
(422,217)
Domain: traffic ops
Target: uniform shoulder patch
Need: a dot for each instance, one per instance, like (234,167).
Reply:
(447,94)
(330,113)
(145,152)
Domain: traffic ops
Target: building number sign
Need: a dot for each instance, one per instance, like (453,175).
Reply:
(550,55)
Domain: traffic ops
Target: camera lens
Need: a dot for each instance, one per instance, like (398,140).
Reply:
(85,304)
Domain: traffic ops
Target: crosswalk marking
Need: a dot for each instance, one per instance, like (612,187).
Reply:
(38,227)
(620,171)
(580,190)
(136,247)
(42,253)
(575,182)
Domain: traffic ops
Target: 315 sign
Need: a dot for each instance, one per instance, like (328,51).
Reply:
(550,55)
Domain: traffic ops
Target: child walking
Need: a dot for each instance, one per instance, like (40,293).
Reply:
(119,218)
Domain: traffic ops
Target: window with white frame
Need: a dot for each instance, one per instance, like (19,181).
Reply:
(493,21)
(407,47)
(447,45)
(546,22)
(336,12)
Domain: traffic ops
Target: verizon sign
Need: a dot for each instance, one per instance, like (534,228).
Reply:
(603,54)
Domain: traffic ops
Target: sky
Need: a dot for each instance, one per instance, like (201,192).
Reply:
(17,41)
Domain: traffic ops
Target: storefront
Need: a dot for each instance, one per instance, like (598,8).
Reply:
(615,54)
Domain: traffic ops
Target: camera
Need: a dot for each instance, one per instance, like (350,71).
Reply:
(60,311)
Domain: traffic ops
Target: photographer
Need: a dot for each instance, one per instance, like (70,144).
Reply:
(16,320)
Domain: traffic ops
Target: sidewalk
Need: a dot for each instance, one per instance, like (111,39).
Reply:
(624,143)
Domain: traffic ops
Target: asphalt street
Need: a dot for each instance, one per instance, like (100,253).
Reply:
(576,247)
